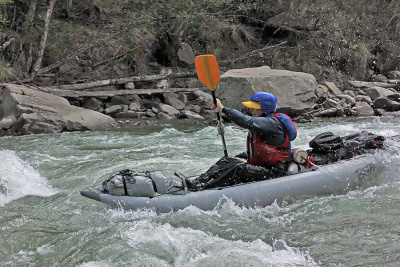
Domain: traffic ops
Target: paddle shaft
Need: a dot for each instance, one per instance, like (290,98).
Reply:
(219,120)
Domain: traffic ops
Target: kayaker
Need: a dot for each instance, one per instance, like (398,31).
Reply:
(268,140)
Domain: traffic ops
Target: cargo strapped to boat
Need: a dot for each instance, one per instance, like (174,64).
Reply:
(329,148)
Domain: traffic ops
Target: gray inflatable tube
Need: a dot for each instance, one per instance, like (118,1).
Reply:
(335,178)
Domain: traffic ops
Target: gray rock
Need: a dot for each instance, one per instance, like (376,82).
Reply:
(125,108)
(163,84)
(156,99)
(191,115)
(363,109)
(172,100)
(320,91)
(6,123)
(141,114)
(127,115)
(386,104)
(375,92)
(119,100)
(134,98)
(295,90)
(394,74)
(350,93)
(113,109)
(347,98)
(378,78)
(360,92)
(46,113)
(150,104)
(193,83)
(204,97)
(155,110)
(196,108)
(163,115)
(185,54)
(151,114)
(93,104)
(135,106)
(363,98)
(183,98)
(129,86)
(380,112)
(171,111)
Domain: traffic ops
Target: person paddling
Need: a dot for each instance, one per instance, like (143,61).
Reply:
(269,137)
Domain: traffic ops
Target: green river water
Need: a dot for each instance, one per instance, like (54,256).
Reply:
(45,222)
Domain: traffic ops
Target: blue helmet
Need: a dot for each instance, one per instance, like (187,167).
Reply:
(267,101)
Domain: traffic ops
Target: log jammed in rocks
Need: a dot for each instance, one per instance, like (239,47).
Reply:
(361,84)
(101,83)
(111,93)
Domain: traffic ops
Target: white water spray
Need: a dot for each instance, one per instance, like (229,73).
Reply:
(19,179)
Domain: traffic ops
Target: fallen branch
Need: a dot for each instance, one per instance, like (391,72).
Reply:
(273,25)
(101,83)
(73,55)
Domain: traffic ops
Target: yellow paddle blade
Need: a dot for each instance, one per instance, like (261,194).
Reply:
(207,70)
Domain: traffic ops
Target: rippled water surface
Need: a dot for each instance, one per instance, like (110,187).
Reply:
(45,222)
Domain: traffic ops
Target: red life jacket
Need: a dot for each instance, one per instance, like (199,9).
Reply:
(268,155)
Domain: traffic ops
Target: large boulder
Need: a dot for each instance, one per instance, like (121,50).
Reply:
(386,104)
(172,100)
(32,111)
(375,92)
(363,109)
(295,90)
(394,74)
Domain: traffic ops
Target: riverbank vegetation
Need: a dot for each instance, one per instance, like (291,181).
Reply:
(63,42)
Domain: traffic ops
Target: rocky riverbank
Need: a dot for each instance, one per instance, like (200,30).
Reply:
(27,110)
(376,98)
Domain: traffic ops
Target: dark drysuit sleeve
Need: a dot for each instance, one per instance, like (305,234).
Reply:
(269,128)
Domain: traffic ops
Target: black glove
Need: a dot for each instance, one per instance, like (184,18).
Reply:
(242,155)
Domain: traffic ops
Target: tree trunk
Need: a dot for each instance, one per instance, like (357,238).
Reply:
(42,45)
(68,6)
(32,11)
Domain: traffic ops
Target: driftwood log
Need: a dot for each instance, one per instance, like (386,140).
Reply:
(360,84)
(84,86)
(111,93)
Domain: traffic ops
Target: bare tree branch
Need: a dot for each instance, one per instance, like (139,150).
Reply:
(251,54)
(4,46)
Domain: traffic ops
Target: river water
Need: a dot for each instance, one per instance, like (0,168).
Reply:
(45,222)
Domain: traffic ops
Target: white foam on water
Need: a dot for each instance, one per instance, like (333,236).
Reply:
(167,132)
(19,179)
(187,247)
(44,250)
(95,264)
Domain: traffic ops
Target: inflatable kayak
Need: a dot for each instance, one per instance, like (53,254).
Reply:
(154,190)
